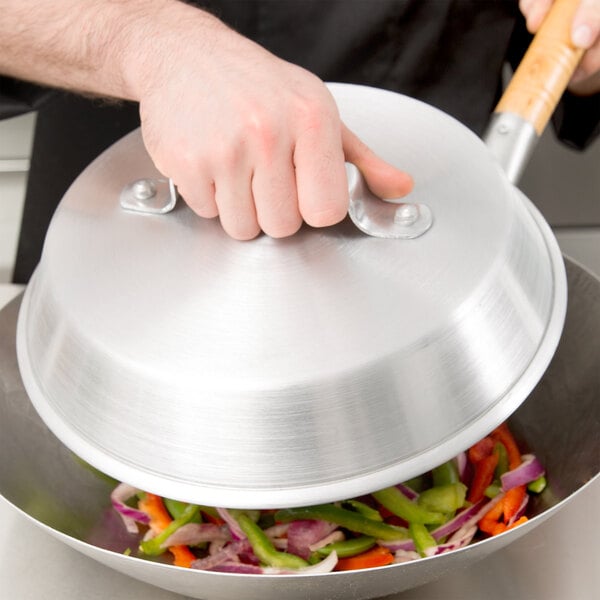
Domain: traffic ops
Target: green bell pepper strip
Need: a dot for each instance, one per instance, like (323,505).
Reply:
(537,486)
(418,484)
(364,509)
(421,537)
(177,508)
(445,499)
(348,519)
(263,547)
(396,502)
(445,474)
(492,490)
(503,463)
(347,548)
(153,547)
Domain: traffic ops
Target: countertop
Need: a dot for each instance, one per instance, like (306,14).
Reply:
(559,559)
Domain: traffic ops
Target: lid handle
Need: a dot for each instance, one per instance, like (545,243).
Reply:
(372,215)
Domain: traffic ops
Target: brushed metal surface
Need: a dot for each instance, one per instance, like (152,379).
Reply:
(286,372)
(559,422)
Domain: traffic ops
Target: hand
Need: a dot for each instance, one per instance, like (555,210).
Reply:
(252,138)
(585,33)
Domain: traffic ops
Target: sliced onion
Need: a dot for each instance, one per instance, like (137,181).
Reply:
(276,531)
(529,470)
(461,465)
(305,532)
(130,515)
(402,556)
(216,547)
(236,530)
(237,567)
(280,543)
(191,534)
(228,553)
(398,545)
(325,566)
(456,542)
(408,492)
(458,521)
(334,536)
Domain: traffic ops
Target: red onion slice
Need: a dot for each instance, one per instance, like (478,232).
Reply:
(529,470)
(408,492)
(461,465)
(229,553)
(130,515)
(236,530)
(303,533)
(191,534)
(402,556)
(325,566)
(454,543)
(237,567)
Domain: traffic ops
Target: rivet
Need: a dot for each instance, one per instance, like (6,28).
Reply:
(143,189)
(406,214)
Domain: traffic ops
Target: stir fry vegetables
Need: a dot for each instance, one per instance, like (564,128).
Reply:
(482,492)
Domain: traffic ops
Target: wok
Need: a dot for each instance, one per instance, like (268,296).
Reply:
(559,422)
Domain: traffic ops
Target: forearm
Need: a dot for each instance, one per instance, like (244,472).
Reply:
(104,47)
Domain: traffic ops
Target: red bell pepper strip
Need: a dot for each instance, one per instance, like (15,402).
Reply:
(481,450)
(483,477)
(503,435)
(512,502)
(379,556)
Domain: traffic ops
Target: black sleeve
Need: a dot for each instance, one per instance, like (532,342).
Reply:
(576,119)
(19,97)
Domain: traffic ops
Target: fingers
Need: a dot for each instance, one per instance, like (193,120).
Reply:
(321,182)
(585,29)
(233,192)
(201,197)
(534,12)
(275,198)
(585,33)
(383,179)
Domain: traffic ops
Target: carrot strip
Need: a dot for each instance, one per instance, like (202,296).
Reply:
(376,557)
(160,518)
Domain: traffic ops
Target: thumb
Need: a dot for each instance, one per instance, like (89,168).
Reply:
(383,179)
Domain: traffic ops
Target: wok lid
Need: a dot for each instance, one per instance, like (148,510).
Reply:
(274,373)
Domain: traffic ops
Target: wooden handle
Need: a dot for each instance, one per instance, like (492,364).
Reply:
(543,74)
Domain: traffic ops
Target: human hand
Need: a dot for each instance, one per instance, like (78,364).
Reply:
(585,34)
(251,138)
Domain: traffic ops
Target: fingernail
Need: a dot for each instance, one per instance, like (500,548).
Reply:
(582,36)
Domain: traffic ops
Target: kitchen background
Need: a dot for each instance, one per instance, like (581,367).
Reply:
(564,184)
